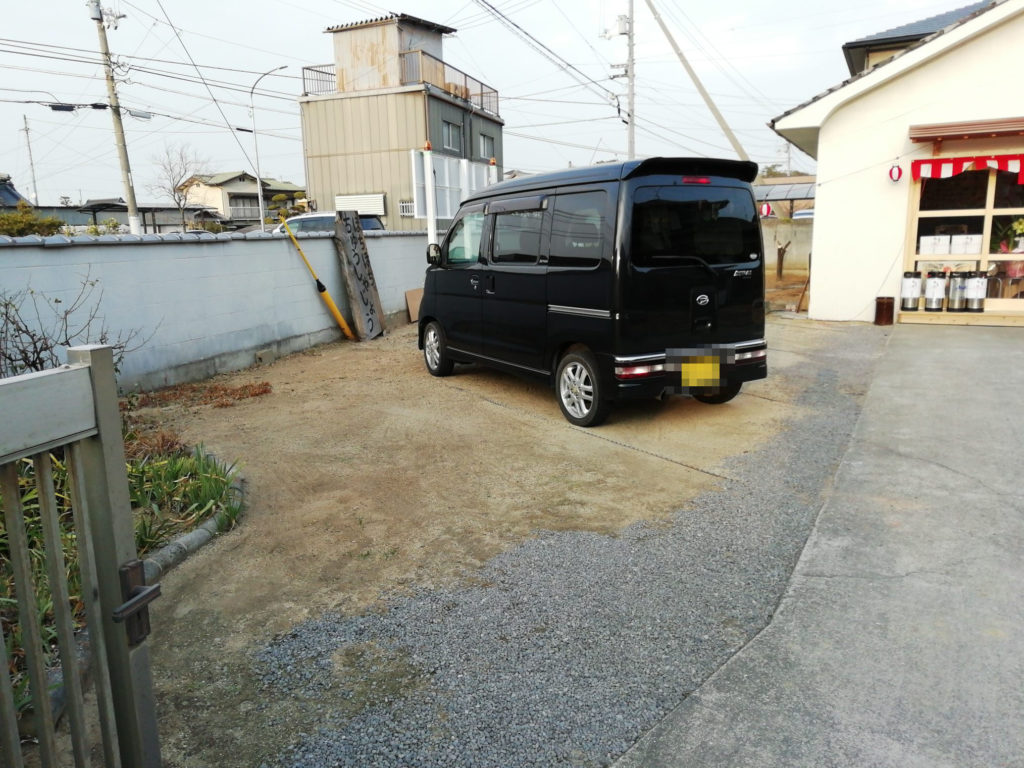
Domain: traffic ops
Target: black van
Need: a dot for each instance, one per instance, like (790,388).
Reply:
(618,281)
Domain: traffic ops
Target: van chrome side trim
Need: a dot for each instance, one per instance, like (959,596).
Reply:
(604,314)
(478,356)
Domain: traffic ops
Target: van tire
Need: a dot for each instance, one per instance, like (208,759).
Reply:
(718,395)
(579,390)
(435,350)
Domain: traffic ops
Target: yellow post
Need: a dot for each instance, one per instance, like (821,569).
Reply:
(320,287)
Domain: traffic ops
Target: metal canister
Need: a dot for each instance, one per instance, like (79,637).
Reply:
(957,292)
(910,292)
(977,289)
(934,291)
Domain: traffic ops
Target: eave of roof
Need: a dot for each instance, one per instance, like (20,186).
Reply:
(399,18)
(806,138)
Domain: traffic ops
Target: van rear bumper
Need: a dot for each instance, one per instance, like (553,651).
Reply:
(646,376)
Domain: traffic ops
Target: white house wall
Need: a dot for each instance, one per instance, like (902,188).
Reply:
(861,217)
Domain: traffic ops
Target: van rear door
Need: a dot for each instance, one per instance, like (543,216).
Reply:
(695,267)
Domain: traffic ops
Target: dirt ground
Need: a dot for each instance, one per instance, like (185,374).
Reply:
(366,476)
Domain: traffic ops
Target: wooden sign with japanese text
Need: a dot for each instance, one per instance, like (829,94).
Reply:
(363,299)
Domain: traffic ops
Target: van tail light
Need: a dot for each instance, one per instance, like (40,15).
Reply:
(696,180)
(627,372)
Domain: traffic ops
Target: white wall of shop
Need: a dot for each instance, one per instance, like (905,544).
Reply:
(861,216)
(209,305)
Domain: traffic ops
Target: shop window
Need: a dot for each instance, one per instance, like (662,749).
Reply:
(1009,190)
(966,190)
(973,220)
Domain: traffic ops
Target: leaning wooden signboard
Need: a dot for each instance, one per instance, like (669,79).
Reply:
(357,273)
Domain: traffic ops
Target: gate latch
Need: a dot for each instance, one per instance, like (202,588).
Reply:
(134,612)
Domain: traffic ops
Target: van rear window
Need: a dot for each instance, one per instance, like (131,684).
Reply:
(675,225)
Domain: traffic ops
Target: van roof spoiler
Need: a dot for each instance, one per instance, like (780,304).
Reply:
(744,170)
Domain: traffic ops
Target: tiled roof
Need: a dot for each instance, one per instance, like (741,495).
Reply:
(924,27)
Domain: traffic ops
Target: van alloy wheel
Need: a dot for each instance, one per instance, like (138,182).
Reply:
(434,353)
(579,389)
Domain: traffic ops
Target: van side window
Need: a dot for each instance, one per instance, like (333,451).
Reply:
(517,237)
(576,229)
(463,245)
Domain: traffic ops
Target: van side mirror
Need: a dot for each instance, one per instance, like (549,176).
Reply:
(434,254)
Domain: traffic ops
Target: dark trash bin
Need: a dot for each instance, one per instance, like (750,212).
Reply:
(884,308)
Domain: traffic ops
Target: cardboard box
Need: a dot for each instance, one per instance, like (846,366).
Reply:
(933,245)
(961,244)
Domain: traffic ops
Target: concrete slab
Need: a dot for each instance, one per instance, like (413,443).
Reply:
(900,641)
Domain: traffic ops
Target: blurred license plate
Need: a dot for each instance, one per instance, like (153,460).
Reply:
(700,371)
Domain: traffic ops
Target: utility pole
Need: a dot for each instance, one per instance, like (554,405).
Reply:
(134,223)
(631,87)
(31,164)
(700,88)
(630,67)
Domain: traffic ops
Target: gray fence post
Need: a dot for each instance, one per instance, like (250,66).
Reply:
(113,535)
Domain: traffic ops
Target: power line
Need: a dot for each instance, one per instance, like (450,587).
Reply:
(44,46)
(208,89)
(581,77)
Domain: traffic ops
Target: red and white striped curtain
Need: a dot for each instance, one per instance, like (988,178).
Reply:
(945,167)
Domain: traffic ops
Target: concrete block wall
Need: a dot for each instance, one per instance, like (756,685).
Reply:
(207,304)
(796,232)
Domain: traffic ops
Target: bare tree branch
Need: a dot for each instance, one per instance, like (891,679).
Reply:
(178,166)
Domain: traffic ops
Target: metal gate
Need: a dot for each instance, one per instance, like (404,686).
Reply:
(73,410)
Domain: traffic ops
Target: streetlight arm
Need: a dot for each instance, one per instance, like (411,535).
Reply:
(255,143)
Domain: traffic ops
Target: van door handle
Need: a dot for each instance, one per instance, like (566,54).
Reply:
(490,285)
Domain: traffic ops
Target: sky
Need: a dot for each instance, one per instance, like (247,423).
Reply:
(756,59)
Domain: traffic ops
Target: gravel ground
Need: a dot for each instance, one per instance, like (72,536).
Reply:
(564,650)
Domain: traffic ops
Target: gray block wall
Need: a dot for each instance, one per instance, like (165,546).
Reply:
(204,303)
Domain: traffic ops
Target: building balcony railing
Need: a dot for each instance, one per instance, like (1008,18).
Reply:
(416,67)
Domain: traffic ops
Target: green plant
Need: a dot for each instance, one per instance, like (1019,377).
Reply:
(172,492)
(176,492)
(106,227)
(1005,239)
(25,221)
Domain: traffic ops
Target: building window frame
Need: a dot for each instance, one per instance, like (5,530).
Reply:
(451,136)
(486,146)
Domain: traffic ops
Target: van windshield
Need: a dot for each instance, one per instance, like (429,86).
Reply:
(676,225)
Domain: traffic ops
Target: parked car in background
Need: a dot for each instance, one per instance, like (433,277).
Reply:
(324,222)
(807,213)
